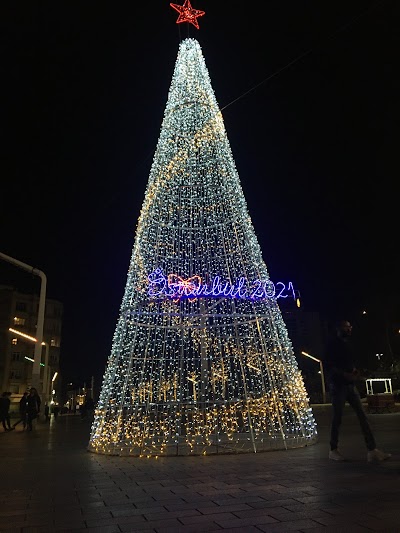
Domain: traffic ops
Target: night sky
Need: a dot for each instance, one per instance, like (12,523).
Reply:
(316,147)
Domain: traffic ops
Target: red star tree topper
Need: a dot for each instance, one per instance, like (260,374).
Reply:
(187,13)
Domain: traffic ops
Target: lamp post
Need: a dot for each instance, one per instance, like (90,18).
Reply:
(46,373)
(321,370)
(40,319)
(46,376)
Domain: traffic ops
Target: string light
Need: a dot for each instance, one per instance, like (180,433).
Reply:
(198,375)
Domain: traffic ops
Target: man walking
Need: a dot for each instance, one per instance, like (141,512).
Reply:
(22,411)
(342,375)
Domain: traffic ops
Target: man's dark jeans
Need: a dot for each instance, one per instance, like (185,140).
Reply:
(339,395)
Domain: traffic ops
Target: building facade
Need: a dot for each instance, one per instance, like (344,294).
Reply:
(19,311)
(308,333)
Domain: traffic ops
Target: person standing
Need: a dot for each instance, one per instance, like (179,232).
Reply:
(5,411)
(22,411)
(56,411)
(32,407)
(342,375)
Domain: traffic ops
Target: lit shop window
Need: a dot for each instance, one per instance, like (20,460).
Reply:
(19,321)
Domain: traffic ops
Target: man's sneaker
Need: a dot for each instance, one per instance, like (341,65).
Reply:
(377,456)
(335,455)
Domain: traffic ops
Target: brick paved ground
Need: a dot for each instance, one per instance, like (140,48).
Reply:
(51,483)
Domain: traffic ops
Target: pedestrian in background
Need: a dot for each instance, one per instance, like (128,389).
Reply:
(5,403)
(342,376)
(56,411)
(32,407)
(22,411)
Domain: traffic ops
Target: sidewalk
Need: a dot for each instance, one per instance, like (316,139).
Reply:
(51,483)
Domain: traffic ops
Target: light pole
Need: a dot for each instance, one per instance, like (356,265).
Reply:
(321,370)
(46,373)
(40,319)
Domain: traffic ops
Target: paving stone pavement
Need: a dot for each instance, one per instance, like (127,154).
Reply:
(50,483)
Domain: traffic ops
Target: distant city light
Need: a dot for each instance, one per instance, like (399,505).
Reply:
(311,357)
(22,334)
(30,359)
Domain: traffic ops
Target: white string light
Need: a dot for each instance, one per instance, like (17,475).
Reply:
(198,375)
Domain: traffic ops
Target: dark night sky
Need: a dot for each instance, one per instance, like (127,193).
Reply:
(316,146)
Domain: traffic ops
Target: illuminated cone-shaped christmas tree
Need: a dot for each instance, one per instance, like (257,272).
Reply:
(201,361)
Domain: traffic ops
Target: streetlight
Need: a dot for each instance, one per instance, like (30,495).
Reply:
(52,385)
(321,371)
(40,319)
(46,374)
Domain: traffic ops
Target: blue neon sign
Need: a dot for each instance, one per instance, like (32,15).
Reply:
(176,288)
